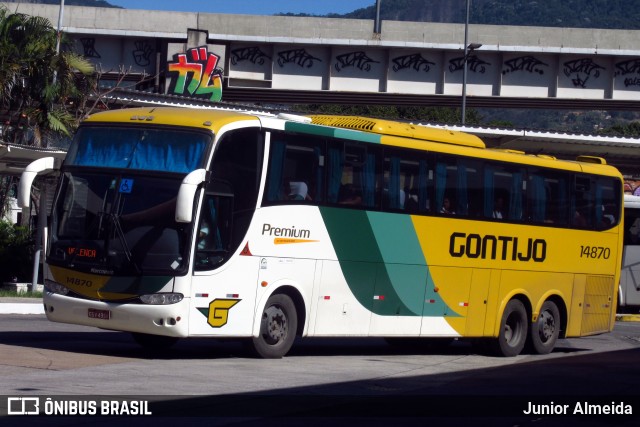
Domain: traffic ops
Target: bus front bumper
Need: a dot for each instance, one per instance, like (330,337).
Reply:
(168,320)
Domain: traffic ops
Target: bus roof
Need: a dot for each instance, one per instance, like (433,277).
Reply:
(210,119)
(406,130)
(357,128)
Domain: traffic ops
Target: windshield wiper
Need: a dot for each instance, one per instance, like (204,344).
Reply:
(115,221)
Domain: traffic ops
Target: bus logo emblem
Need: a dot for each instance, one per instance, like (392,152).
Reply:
(218,311)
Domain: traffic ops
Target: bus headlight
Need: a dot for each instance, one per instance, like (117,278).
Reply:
(55,287)
(161,299)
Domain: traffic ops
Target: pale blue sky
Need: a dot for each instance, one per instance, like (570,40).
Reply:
(250,7)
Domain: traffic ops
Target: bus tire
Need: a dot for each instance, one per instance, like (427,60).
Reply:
(513,330)
(545,331)
(278,326)
(154,342)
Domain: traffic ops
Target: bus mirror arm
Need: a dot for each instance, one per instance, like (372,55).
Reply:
(186,194)
(29,175)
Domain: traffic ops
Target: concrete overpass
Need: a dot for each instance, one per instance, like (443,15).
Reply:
(275,59)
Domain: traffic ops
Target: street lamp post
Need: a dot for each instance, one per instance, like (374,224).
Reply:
(468,49)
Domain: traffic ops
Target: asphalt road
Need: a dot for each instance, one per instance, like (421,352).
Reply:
(322,381)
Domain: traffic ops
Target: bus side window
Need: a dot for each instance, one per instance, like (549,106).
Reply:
(296,169)
(460,180)
(214,231)
(607,196)
(405,181)
(352,176)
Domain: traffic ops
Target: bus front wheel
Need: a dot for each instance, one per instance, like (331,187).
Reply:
(278,326)
(513,330)
(544,332)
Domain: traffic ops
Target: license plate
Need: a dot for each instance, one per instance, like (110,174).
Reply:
(99,314)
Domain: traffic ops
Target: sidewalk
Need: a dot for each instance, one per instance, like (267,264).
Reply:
(14,305)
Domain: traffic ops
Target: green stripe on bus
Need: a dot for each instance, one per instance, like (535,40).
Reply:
(333,132)
(137,285)
(382,261)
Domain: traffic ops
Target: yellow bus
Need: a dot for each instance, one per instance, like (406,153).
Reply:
(173,223)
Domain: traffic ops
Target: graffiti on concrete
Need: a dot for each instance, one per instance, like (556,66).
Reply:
(525,63)
(474,64)
(357,59)
(415,61)
(89,47)
(630,68)
(581,70)
(298,57)
(142,53)
(252,54)
(195,73)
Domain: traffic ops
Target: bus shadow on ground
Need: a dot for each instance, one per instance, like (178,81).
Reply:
(121,344)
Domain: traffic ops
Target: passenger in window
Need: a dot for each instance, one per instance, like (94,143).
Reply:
(411,204)
(498,209)
(608,217)
(349,196)
(580,218)
(298,190)
(446,207)
(203,235)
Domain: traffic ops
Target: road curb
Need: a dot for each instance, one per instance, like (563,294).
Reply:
(628,317)
(21,308)
(17,305)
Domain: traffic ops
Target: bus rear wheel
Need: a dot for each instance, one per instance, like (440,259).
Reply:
(513,330)
(278,326)
(544,332)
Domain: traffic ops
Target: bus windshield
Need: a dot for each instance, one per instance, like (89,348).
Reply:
(110,223)
(141,148)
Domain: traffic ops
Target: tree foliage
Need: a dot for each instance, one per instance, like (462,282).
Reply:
(38,84)
(16,252)
(609,14)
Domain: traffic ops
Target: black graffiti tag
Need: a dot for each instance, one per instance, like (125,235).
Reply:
(524,63)
(299,57)
(474,63)
(142,53)
(358,59)
(415,61)
(625,68)
(88,45)
(582,70)
(252,54)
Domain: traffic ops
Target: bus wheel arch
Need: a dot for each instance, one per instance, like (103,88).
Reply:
(280,321)
(513,328)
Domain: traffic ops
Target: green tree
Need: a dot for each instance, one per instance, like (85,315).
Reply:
(39,86)
(632,130)
(16,252)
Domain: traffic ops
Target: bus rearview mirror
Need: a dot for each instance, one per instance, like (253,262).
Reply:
(188,188)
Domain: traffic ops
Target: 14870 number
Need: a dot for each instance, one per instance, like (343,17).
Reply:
(595,252)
